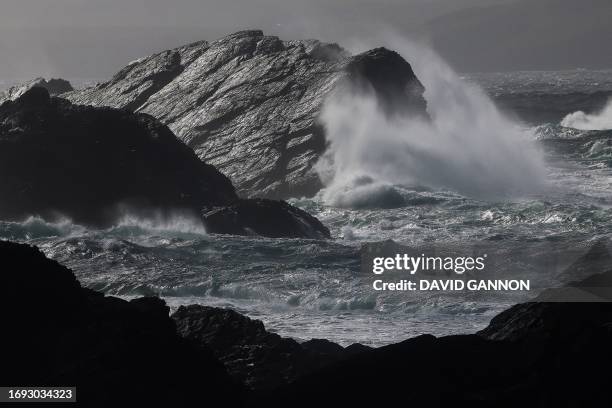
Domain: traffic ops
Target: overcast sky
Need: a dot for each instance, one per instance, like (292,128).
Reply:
(95,38)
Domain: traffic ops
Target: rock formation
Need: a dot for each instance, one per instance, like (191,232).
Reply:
(56,333)
(264,217)
(55,86)
(541,353)
(92,165)
(114,351)
(253,356)
(248,103)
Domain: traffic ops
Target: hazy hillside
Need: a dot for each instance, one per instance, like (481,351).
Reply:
(527,34)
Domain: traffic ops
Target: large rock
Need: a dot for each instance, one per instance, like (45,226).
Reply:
(115,352)
(537,354)
(545,354)
(257,358)
(55,86)
(264,217)
(248,103)
(94,165)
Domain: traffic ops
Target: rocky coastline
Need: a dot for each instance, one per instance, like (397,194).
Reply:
(534,354)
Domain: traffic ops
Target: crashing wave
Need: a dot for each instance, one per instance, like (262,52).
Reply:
(469,146)
(583,121)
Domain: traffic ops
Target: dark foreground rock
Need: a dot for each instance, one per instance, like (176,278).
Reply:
(94,165)
(561,368)
(264,217)
(248,103)
(253,356)
(534,354)
(54,86)
(56,333)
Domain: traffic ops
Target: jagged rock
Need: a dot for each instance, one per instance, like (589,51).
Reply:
(55,86)
(264,217)
(248,103)
(252,355)
(93,165)
(556,314)
(115,352)
(534,354)
(537,354)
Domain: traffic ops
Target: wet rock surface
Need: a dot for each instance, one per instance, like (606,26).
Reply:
(248,103)
(264,217)
(95,165)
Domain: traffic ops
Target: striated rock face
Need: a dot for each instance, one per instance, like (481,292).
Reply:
(248,103)
(255,357)
(53,86)
(115,352)
(93,165)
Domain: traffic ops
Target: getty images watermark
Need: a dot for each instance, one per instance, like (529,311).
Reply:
(459,266)
(526,271)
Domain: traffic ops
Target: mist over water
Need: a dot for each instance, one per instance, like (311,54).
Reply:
(597,121)
(468,147)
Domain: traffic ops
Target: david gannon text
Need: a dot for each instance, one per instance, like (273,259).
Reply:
(453,285)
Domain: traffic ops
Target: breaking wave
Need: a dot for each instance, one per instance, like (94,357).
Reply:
(468,147)
(596,121)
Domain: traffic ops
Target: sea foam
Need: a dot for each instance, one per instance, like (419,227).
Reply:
(469,146)
(580,120)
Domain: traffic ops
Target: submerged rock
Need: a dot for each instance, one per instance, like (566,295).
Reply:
(115,352)
(54,86)
(257,358)
(248,103)
(95,165)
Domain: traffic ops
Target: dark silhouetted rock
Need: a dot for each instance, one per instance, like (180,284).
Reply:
(534,354)
(93,165)
(392,79)
(53,86)
(264,217)
(248,103)
(579,307)
(115,352)
(90,164)
(252,355)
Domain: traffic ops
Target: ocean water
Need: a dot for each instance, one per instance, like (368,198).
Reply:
(314,289)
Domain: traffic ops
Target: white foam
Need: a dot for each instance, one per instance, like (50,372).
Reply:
(582,121)
(181,223)
(469,146)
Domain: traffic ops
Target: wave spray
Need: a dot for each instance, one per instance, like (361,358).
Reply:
(468,146)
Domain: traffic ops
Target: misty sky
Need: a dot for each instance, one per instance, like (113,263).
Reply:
(95,38)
